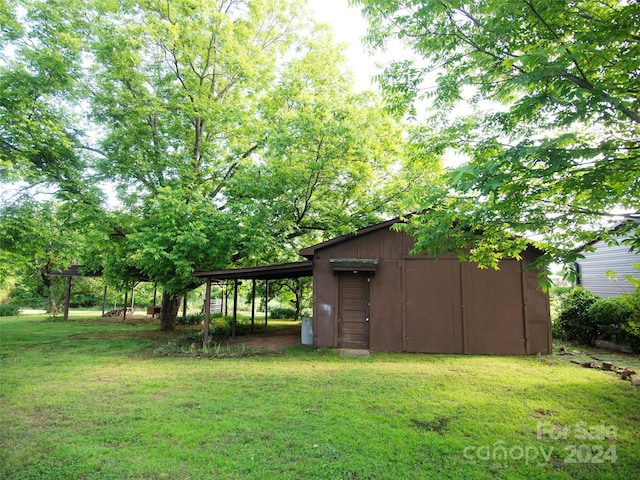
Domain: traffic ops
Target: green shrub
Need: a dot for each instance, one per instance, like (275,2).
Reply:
(557,297)
(584,318)
(279,313)
(9,310)
(556,331)
(85,300)
(193,319)
(574,322)
(631,335)
(221,327)
(610,316)
(631,331)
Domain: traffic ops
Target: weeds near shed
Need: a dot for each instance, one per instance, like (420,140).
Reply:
(228,350)
(191,344)
(9,310)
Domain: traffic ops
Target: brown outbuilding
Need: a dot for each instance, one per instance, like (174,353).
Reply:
(369,292)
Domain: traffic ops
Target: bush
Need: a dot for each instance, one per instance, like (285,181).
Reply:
(279,313)
(584,318)
(85,300)
(193,319)
(574,322)
(631,331)
(9,310)
(557,298)
(610,315)
(631,335)
(221,327)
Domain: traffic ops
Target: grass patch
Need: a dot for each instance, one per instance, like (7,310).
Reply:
(87,399)
(437,425)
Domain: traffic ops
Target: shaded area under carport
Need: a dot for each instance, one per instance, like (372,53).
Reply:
(266,273)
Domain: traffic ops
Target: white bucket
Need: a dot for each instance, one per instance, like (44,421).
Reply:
(307,331)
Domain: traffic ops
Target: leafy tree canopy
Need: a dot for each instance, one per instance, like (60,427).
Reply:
(228,129)
(541,98)
(38,238)
(327,155)
(39,126)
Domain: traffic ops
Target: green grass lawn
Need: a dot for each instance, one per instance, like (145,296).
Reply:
(87,399)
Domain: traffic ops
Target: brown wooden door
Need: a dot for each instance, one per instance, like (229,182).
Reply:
(353,311)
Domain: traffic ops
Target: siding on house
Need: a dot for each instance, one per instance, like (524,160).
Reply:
(593,269)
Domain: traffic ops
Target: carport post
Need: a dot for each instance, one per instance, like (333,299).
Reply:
(235,308)
(207,313)
(124,310)
(253,303)
(266,303)
(104,300)
(225,294)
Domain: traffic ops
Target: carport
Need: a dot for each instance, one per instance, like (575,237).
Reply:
(76,270)
(264,273)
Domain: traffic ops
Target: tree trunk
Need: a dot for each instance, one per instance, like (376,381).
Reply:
(298,293)
(298,301)
(52,305)
(170,307)
(47,281)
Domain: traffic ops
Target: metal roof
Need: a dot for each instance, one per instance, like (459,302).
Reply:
(266,272)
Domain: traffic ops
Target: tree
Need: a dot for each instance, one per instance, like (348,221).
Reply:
(39,129)
(327,157)
(227,128)
(47,190)
(38,238)
(551,124)
(169,90)
(227,152)
(293,290)
(175,86)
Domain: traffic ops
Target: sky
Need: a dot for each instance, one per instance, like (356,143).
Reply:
(349,27)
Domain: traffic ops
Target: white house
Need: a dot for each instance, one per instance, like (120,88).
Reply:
(593,269)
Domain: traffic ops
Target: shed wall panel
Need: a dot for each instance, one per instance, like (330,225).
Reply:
(493,309)
(536,311)
(324,303)
(433,317)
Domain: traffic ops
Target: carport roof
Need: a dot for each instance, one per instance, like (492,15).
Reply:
(266,272)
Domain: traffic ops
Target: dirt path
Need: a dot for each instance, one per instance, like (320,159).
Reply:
(276,340)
